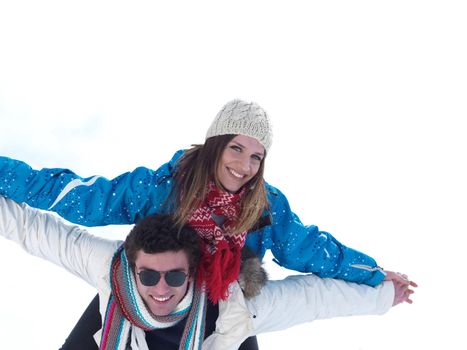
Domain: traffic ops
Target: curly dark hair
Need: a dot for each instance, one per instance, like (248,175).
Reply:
(158,234)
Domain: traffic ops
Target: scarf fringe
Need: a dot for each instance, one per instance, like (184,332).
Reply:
(219,270)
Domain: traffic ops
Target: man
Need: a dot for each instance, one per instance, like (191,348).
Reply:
(149,294)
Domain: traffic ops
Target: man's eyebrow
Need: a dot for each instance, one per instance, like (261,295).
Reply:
(144,267)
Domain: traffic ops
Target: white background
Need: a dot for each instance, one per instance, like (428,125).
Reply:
(368,101)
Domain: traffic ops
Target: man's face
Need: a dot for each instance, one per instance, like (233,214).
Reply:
(161,298)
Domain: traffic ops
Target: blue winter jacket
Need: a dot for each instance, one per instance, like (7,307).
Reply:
(97,201)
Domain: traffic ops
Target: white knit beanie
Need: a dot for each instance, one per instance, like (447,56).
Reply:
(243,118)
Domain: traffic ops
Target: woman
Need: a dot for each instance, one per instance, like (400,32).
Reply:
(218,188)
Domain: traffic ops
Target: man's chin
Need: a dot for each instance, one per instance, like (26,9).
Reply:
(158,310)
(162,310)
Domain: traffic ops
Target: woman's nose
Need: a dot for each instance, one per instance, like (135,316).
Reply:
(245,164)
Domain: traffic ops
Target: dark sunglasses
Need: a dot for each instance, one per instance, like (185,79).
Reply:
(150,278)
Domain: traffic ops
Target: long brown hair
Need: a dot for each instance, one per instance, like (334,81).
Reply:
(197,167)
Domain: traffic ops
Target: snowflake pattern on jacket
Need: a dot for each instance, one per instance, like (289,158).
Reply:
(97,201)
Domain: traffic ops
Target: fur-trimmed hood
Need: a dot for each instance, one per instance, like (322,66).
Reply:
(253,276)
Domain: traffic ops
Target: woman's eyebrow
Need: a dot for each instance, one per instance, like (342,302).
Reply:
(243,147)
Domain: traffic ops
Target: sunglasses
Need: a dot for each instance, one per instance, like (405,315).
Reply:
(150,278)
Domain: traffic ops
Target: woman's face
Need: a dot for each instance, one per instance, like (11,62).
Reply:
(240,162)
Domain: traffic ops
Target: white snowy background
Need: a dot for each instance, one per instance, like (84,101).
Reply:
(368,101)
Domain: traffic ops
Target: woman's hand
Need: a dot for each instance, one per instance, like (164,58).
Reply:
(402,287)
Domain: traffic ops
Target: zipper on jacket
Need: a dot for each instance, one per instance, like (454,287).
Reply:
(367,268)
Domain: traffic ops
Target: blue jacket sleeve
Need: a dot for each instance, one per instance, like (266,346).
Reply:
(90,201)
(307,249)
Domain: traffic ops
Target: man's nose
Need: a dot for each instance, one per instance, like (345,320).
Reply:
(162,287)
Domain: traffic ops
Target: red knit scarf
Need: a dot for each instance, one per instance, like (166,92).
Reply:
(221,249)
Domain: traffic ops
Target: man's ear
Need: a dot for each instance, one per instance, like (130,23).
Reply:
(191,276)
(191,280)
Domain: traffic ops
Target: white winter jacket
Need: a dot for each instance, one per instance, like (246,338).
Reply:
(281,304)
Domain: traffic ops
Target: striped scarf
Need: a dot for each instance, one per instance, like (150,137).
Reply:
(221,249)
(126,308)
